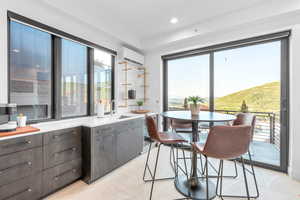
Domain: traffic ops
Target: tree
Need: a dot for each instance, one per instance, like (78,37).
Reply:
(244,107)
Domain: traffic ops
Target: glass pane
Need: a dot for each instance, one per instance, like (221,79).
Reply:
(30,71)
(74,79)
(102,78)
(252,74)
(188,77)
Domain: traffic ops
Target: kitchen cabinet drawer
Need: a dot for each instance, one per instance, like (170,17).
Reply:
(19,165)
(62,135)
(20,144)
(29,188)
(106,129)
(61,175)
(58,153)
(129,124)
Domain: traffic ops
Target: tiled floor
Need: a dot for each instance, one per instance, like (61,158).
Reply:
(126,183)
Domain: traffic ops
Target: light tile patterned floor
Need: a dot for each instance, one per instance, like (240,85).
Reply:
(126,183)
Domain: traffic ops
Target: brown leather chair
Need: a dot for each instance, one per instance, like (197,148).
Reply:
(226,143)
(162,138)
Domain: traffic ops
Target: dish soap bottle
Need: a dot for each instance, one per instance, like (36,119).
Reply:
(100,109)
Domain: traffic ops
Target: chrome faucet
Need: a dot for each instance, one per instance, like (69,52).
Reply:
(112,104)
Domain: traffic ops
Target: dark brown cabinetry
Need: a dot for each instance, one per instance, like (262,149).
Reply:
(61,158)
(34,166)
(110,146)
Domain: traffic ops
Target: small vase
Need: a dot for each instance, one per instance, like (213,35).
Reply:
(195,109)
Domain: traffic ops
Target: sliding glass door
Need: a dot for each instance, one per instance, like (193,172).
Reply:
(250,77)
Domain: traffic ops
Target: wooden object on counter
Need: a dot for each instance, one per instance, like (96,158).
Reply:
(140,111)
(22,130)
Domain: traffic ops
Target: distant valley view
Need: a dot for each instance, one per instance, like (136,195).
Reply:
(262,98)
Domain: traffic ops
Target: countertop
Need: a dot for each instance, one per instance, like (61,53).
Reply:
(90,122)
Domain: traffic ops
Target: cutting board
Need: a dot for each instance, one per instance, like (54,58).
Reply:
(26,129)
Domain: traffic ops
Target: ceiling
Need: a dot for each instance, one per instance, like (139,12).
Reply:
(144,19)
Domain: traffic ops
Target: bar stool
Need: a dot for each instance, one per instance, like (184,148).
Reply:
(162,138)
(247,119)
(226,143)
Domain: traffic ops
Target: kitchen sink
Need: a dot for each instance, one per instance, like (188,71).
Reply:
(124,117)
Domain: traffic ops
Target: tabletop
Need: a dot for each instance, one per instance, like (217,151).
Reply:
(204,116)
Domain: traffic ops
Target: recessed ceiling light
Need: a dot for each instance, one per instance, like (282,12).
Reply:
(173,20)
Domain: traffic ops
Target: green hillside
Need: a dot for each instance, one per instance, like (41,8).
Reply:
(263,98)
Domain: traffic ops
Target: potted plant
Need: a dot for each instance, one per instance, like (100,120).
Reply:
(140,104)
(195,104)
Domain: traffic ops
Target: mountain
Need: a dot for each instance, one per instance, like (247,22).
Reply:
(263,98)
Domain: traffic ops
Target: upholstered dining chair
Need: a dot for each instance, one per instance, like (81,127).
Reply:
(226,143)
(161,138)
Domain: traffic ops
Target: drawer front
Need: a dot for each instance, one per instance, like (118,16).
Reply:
(20,144)
(29,188)
(105,129)
(60,176)
(58,153)
(130,124)
(19,165)
(62,135)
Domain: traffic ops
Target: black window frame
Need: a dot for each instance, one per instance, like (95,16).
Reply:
(56,59)
(283,37)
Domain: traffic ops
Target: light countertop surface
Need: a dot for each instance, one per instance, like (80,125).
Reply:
(90,122)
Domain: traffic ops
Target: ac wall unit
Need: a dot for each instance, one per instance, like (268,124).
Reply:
(133,56)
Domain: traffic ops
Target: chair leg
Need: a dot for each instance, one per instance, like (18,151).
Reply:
(170,159)
(147,168)
(206,169)
(220,181)
(218,178)
(146,164)
(254,176)
(227,176)
(154,174)
(245,178)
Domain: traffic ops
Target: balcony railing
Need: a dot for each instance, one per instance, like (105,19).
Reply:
(267,127)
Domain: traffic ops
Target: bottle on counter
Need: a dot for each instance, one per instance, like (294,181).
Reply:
(100,109)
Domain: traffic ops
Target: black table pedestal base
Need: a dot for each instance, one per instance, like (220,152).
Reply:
(199,192)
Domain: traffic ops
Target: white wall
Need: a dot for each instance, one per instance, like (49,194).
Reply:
(153,61)
(295,103)
(55,18)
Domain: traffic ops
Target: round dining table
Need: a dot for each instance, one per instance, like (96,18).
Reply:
(195,187)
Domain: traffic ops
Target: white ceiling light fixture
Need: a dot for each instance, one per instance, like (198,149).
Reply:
(173,20)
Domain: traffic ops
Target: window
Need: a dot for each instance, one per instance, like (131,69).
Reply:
(102,78)
(55,75)
(74,93)
(30,71)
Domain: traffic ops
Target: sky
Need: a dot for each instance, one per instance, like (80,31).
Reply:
(235,70)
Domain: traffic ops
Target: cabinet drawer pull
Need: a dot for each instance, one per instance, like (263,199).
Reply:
(17,144)
(18,193)
(65,173)
(29,163)
(73,149)
(73,132)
